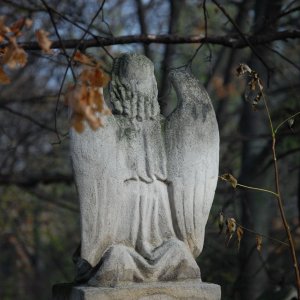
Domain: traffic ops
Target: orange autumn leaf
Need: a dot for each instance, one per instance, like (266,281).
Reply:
(17,26)
(82,58)
(86,102)
(77,122)
(4,79)
(43,40)
(94,77)
(14,56)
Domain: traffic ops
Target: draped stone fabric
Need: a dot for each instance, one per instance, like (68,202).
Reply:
(146,183)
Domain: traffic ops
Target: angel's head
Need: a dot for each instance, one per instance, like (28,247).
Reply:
(133,87)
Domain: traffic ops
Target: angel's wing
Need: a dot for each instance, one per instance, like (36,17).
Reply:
(93,156)
(192,143)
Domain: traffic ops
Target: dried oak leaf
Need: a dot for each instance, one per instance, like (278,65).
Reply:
(17,26)
(229,178)
(231,228)
(239,233)
(43,40)
(83,58)
(14,56)
(258,242)
(85,102)
(4,79)
(243,69)
(94,77)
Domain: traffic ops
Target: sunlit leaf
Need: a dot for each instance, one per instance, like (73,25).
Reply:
(4,79)
(14,56)
(87,104)
(84,59)
(243,69)
(230,178)
(231,228)
(258,243)
(239,233)
(77,122)
(17,26)
(28,22)
(43,40)
(94,77)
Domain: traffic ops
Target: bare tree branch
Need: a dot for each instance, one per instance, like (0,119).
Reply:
(33,180)
(242,35)
(231,41)
(29,118)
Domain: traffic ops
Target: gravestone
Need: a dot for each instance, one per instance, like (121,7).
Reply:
(146,185)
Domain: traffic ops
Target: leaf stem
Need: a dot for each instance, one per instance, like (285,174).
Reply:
(257,189)
(263,235)
(250,187)
(286,120)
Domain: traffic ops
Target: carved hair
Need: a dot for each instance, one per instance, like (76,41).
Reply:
(133,87)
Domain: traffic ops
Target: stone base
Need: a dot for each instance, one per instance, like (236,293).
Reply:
(189,289)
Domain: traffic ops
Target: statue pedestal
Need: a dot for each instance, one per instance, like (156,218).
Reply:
(188,289)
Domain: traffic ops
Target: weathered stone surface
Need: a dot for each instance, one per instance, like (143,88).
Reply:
(145,182)
(188,290)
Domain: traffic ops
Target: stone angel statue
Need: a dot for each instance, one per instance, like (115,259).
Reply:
(145,182)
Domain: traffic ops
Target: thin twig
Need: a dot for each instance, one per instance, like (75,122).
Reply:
(27,117)
(242,35)
(283,57)
(59,38)
(257,233)
(286,120)
(81,28)
(279,198)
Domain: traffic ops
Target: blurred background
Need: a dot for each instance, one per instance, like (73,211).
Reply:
(39,213)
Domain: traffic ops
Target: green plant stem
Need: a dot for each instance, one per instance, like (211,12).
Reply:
(286,120)
(279,198)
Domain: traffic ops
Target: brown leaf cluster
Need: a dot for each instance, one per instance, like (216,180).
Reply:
(85,98)
(233,228)
(11,55)
(14,56)
(254,89)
